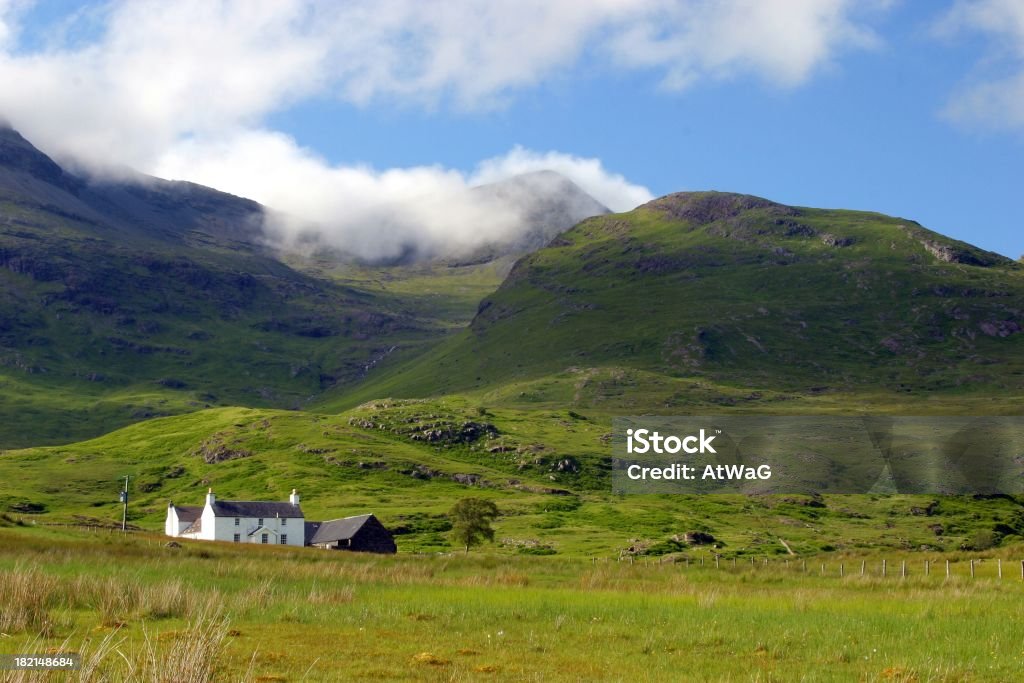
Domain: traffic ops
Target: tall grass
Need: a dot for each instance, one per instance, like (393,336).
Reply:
(193,655)
(97,657)
(26,596)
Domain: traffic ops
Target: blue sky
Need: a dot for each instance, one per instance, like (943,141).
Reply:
(910,108)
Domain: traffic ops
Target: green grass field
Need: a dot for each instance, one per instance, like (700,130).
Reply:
(547,470)
(223,612)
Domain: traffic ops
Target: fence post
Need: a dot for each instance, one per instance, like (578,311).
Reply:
(883,567)
(927,568)
(803,566)
(972,569)
(842,571)
(823,569)
(716,562)
(999,567)
(947,569)
(862,563)
(903,569)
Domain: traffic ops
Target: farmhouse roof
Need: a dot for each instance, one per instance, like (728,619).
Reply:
(248,508)
(339,529)
(188,513)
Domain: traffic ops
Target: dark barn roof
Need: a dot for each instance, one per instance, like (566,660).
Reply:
(246,508)
(188,513)
(338,529)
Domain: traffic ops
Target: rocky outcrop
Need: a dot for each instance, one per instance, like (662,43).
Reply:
(707,207)
(830,240)
(214,450)
(1000,328)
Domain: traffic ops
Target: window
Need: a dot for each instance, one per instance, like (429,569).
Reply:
(259,522)
(284,521)
(238,537)
(237,521)
(284,539)
(265,538)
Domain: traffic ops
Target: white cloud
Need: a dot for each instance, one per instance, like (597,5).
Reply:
(156,72)
(159,72)
(185,88)
(611,189)
(783,42)
(378,214)
(9,10)
(995,101)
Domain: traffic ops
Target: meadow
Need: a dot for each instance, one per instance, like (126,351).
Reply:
(546,470)
(139,610)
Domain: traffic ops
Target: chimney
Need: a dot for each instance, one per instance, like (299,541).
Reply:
(294,498)
(210,498)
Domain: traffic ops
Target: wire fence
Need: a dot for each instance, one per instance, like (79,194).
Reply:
(997,568)
(97,528)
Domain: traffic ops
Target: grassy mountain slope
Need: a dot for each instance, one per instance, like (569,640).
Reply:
(742,297)
(409,461)
(141,299)
(160,328)
(136,297)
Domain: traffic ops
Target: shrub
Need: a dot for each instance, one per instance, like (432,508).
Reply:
(537,550)
(982,540)
(665,547)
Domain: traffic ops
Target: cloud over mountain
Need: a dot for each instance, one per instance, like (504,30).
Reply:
(381,213)
(185,89)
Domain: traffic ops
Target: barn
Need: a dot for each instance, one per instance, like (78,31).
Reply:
(362,533)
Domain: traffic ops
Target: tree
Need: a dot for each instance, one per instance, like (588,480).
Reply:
(471,521)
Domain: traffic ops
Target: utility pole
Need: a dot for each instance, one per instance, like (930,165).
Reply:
(124,500)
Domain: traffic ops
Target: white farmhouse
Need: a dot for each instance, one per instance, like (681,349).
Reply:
(241,521)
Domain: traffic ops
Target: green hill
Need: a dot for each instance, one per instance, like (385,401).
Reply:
(739,301)
(157,303)
(135,297)
(409,461)
(138,298)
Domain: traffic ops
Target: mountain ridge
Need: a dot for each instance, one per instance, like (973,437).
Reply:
(130,297)
(744,291)
(134,204)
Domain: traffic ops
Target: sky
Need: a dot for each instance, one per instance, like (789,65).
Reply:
(328,111)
